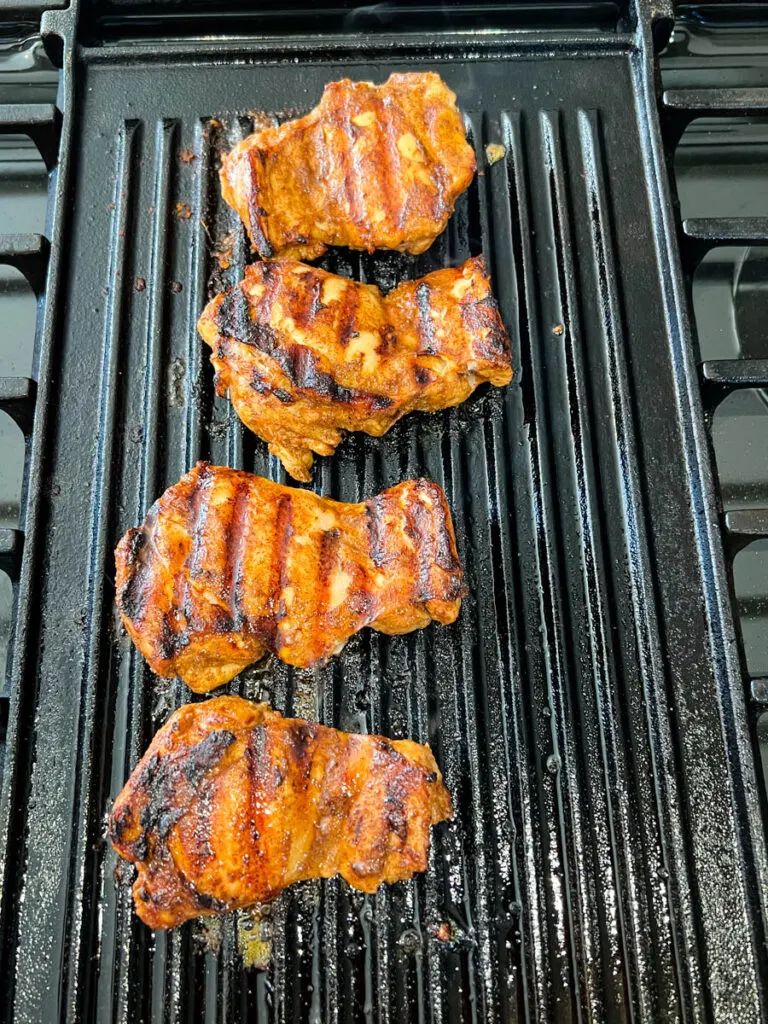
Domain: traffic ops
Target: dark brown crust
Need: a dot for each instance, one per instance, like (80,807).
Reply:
(370,167)
(232,802)
(307,355)
(228,566)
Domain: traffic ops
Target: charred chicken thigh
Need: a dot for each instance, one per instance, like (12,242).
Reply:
(371,167)
(227,566)
(232,803)
(307,355)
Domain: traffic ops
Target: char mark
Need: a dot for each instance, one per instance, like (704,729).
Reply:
(484,325)
(301,367)
(136,590)
(201,900)
(374,514)
(233,569)
(197,513)
(171,641)
(267,626)
(233,320)
(329,546)
(262,386)
(347,322)
(256,214)
(299,364)
(300,738)
(206,754)
(306,302)
(419,526)
(444,547)
(395,817)
(167,802)
(207,902)
(426,326)
(329,543)
(119,823)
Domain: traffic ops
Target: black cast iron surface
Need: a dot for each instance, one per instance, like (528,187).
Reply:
(606,861)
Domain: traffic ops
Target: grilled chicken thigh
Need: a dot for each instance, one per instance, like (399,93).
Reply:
(232,803)
(228,566)
(306,354)
(371,167)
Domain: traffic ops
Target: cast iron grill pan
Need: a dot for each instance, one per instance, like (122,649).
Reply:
(601,864)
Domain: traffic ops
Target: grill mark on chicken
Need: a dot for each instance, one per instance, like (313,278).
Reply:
(352,182)
(300,737)
(389,163)
(283,533)
(445,553)
(426,326)
(232,803)
(262,386)
(233,570)
(374,512)
(396,204)
(481,321)
(348,315)
(206,754)
(234,320)
(256,211)
(284,570)
(308,304)
(299,364)
(199,501)
(175,640)
(161,813)
(360,362)
(417,518)
(327,560)
(133,594)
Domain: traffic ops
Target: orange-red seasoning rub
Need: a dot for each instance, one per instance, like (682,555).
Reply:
(232,803)
(306,355)
(227,566)
(371,167)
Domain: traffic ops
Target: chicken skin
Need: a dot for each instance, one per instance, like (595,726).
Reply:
(307,355)
(232,803)
(228,566)
(371,167)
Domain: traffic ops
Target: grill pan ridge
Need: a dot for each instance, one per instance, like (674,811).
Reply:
(604,862)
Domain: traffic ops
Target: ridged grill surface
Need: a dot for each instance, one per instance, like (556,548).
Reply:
(595,868)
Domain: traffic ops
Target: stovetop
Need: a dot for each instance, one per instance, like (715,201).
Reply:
(721,169)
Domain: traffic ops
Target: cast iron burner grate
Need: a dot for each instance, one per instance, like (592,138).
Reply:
(607,859)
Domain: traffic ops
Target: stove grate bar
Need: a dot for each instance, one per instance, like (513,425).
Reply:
(700,234)
(681,106)
(17,399)
(717,102)
(745,525)
(40,121)
(29,255)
